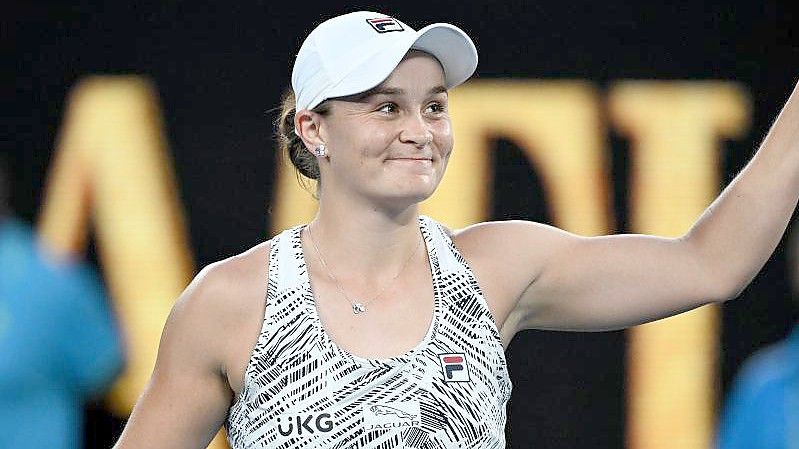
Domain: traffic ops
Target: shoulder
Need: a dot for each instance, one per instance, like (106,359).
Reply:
(233,270)
(768,368)
(759,386)
(510,238)
(506,257)
(227,285)
(220,300)
(60,279)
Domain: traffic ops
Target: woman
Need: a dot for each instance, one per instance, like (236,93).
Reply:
(375,327)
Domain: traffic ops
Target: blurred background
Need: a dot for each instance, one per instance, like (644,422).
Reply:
(213,72)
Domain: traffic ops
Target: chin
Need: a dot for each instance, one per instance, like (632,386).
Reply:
(408,193)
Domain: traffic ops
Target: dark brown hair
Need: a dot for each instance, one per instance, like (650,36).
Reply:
(290,144)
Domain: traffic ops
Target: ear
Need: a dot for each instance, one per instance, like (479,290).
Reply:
(307,126)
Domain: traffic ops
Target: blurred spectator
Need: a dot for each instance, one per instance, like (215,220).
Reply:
(58,343)
(762,411)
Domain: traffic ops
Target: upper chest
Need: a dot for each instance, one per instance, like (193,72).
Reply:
(395,317)
(394,323)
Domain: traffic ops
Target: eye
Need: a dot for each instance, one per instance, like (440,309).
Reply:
(436,107)
(388,108)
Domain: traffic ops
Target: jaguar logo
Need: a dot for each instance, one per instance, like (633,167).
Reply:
(386,410)
(397,415)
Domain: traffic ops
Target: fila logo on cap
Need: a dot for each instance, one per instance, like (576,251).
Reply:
(385,24)
(454,367)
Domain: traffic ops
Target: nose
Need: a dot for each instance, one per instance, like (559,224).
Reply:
(416,131)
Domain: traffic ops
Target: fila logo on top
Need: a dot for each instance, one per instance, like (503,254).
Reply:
(385,24)
(454,367)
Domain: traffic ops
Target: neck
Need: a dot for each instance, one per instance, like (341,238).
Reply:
(361,239)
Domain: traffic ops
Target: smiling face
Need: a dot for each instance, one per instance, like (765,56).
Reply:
(390,144)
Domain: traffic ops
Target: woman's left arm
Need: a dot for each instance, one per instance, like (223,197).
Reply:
(737,233)
(556,280)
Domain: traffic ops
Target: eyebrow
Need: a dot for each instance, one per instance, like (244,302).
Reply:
(383,90)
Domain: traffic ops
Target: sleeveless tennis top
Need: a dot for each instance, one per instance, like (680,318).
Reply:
(303,391)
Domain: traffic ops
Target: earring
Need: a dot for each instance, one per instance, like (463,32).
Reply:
(320,151)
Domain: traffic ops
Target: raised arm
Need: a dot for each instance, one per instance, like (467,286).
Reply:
(542,277)
(187,397)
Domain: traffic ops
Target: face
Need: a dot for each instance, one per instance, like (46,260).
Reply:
(392,143)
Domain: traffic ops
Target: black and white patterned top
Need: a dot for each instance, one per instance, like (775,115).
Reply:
(301,390)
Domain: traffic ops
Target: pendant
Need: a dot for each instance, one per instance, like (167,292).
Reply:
(358,308)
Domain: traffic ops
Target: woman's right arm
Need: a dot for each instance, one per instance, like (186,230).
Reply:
(186,400)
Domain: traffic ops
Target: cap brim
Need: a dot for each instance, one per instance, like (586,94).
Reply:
(452,47)
(447,43)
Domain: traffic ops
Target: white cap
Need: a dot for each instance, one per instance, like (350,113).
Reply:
(355,52)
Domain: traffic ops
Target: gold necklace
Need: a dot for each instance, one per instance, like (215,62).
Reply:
(358,307)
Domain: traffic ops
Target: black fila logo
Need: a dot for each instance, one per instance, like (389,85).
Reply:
(305,424)
(454,367)
(385,24)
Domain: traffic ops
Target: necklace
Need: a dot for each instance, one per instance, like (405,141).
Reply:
(358,307)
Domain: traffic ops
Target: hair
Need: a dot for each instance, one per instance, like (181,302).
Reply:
(290,144)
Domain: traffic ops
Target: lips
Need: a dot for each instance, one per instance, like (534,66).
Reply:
(410,159)
(412,162)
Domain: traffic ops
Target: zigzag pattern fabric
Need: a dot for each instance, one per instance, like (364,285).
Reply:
(303,391)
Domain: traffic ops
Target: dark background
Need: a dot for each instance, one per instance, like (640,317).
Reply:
(220,69)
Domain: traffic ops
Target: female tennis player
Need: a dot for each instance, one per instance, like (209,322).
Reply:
(375,327)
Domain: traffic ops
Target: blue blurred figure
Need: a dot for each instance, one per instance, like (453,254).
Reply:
(762,411)
(58,343)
